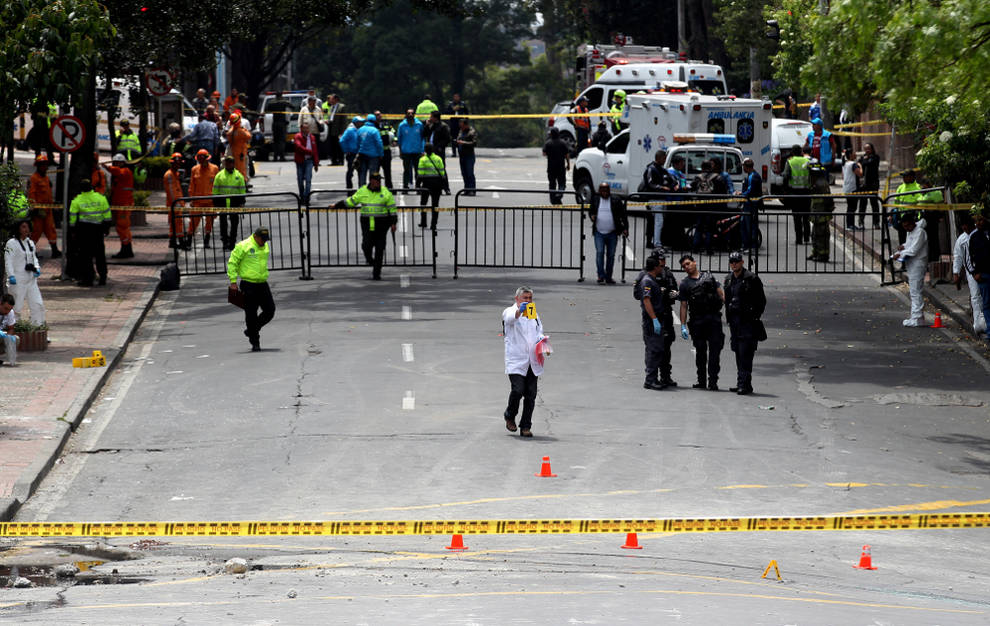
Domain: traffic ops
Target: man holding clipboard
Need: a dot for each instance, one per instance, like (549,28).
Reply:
(249,260)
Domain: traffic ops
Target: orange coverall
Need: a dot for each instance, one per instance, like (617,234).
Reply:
(240,138)
(122,194)
(43,220)
(173,190)
(201,184)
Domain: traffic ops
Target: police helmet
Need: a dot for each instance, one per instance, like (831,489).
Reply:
(735,257)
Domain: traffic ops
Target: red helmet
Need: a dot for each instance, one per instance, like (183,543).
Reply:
(175,158)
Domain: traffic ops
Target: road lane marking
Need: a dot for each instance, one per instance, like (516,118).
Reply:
(406,312)
(404,280)
(409,401)
(407,352)
(937,505)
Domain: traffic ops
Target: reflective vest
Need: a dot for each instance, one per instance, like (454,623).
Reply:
(89,207)
(424,108)
(799,172)
(373,204)
(249,261)
(52,113)
(582,122)
(617,108)
(128,143)
(430,166)
(201,182)
(19,206)
(226,183)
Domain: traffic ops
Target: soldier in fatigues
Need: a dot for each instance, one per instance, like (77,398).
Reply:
(821,214)
(745,302)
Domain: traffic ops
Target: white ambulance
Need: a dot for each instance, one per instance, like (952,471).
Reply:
(707,126)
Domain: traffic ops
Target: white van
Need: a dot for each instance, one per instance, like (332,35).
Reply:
(703,78)
(785,134)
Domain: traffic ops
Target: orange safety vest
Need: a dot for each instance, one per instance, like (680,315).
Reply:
(582,122)
(99,180)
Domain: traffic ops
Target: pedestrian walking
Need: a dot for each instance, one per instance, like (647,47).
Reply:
(377,218)
(456,109)
(870,165)
(431,177)
(522,331)
(467,141)
(914,254)
(172,182)
(89,222)
(822,207)
(370,148)
(229,181)
(852,172)
(961,267)
(23,271)
(349,144)
(307,158)
(410,138)
(558,162)
(249,261)
(201,184)
(797,183)
(121,195)
(701,296)
(39,191)
(608,219)
(745,302)
(979,261)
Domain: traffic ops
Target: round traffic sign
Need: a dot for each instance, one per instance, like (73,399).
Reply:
(67,133)
(159,81)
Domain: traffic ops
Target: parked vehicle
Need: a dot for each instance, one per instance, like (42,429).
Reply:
(784,135)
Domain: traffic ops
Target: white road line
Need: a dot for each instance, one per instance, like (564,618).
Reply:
(403,252)
(407,352)
(402,201)
(409,401)
(404,280)
(406,312)
(403,220)
(495,195)
(629,254)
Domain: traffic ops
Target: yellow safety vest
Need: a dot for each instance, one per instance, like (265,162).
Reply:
(430,166)
(373,204)
(249,261)
(225,183)
(89,207)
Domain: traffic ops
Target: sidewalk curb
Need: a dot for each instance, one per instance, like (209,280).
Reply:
(32,476)
(948,306)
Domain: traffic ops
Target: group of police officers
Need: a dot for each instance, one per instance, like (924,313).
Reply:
(702,299)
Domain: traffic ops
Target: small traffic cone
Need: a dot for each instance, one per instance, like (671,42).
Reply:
(457,543)
(632,542)
(865,559)
(545,469)
(938,320)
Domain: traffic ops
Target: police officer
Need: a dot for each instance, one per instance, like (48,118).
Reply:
(89,220)
(744,305)
(377,218)
(431,177)
(229,181)
(249,260)
(653,298)
(702,297)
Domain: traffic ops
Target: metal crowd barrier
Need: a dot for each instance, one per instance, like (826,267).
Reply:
(288,233)
(335,234)
(535,236)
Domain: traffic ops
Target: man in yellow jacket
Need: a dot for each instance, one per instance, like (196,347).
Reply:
(249,261)
(377,218)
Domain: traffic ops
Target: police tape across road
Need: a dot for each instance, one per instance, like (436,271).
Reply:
(931,521)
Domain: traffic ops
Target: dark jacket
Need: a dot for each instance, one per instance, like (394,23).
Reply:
(979,254)
(618,212)
(745,299)
(438,135)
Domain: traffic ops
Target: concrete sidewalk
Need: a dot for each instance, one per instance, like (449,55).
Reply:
(44,398)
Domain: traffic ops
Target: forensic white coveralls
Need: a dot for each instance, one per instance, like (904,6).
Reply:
(19,253)
(961,266)
(915,257)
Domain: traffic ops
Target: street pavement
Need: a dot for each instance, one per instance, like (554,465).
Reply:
(384,400)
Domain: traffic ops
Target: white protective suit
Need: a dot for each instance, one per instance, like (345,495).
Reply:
(521,336)
(915,257)
(18,254)
(961,266)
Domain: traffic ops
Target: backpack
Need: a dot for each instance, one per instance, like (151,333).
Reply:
(705,184)
(168,277)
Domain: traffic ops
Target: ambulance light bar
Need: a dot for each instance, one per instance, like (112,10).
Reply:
(704,138)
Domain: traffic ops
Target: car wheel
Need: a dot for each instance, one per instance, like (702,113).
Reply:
(570,142)
(583,188)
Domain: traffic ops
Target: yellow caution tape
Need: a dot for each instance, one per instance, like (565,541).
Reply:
(846,133)
(934,206)
(861,124)
(495,527)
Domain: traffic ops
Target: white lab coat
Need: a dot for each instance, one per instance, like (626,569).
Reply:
(521,337)
(17,255)
(915,257)
(960,265)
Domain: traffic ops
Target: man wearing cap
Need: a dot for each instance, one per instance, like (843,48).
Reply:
(201,184)
(370,148)
(39,191)
(122,195)
(822,143)
(228,181)
(664,278)
(239,139)
(745,302)
(582,123)
(89,219)
(127,141)
(377,218)
(349,145)
(249,261)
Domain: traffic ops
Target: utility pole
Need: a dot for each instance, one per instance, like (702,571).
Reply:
(682,44)
(755,84)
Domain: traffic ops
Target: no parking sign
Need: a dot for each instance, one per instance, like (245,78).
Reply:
(67,133)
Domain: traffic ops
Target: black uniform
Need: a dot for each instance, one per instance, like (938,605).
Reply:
(744,305)
(705,325)
(387,132)
(655,346)
(666,281)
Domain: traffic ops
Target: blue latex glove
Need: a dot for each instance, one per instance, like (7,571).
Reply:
(2,334)
(37,273)
(13,280)
(684,332)
(522,307)
(657,328)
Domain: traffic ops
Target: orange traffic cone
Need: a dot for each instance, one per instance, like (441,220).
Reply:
(938,320)
(865,559)
(632,542)
(457,543)
(545,469)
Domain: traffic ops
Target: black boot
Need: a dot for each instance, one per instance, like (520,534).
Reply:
(56,254)
(126,252)
(206,240)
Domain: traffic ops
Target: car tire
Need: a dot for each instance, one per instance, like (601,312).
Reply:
(583,187)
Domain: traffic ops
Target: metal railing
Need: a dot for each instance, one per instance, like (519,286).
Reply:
(533,236)
(208,255)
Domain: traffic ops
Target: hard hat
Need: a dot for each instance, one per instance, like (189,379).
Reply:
(119,157)
(41,160)
(174,126)
(203,153)
(620,93)
(371,118)
(229,157)
(176,156)
(234,117)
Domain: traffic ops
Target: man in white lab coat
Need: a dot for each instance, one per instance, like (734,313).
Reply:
(523,330)
(914,253)
(962,270)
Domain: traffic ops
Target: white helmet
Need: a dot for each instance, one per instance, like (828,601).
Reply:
(119,157)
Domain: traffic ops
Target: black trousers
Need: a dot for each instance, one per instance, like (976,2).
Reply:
(373,241)
(743,344)
(432,188)
(523,388)
(874,205)
(668,340)
(89,239)
(278,144)
(257,295)
(708,340)
(385,163)
(655,349)
(582,138)
(557,180)
(228,229)
(802,221)
(349,175)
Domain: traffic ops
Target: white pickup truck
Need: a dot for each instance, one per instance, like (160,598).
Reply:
(654,121)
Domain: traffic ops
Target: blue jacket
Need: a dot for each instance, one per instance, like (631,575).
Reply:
(753,189)
(410,137)
(349,140)
(369,140)
(826,146)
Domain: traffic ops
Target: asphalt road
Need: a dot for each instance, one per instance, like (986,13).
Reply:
(384,400)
